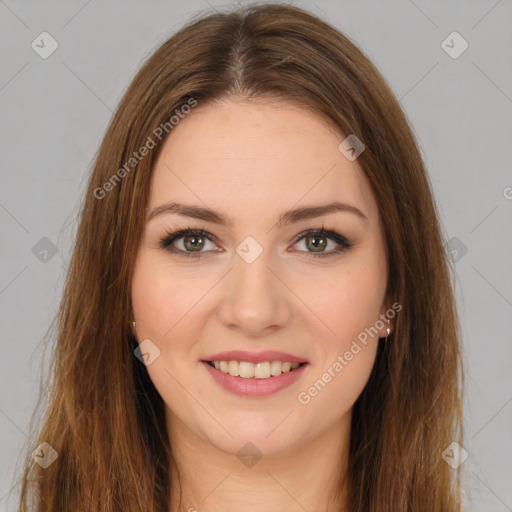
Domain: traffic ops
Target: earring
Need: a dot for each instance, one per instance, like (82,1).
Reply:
(388,330)
(133,328)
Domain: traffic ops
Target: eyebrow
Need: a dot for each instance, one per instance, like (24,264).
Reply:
(289,217)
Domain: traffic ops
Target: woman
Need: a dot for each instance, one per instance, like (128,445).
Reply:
(258,313)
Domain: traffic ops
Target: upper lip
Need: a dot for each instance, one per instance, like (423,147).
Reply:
(255,357)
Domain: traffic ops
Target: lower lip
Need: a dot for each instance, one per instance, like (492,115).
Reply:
(255,387)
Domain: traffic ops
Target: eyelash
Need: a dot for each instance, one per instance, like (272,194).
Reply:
(170,237)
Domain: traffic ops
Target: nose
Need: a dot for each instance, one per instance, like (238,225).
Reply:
(255,300)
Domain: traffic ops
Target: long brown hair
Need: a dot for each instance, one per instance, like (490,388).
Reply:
(104,417)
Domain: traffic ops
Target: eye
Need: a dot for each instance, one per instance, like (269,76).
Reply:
(193,241)
(317,241)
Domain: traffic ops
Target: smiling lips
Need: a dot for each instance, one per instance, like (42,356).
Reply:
(255,374)
(248,370)
(260,365)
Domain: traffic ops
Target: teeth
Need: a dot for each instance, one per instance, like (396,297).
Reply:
(248,370)
(233,368)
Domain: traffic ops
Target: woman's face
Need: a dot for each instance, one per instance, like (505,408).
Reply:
(251,285)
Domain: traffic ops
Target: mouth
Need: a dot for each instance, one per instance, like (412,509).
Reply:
(255,380)
(260,370)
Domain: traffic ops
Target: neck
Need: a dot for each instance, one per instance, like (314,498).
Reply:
(309,476)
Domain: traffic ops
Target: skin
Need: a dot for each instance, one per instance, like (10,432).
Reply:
(252,162)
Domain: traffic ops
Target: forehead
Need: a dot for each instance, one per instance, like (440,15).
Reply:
(257,157)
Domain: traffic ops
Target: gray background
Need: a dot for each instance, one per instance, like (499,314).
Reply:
(54,112)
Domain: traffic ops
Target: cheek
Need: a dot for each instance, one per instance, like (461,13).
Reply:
(345,358)
(334,389)
(348,308)
(162,298)
(148,299)
(347,301)
(163,315)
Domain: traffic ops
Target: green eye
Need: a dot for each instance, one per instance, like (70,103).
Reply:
(317,241)
(194,240)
